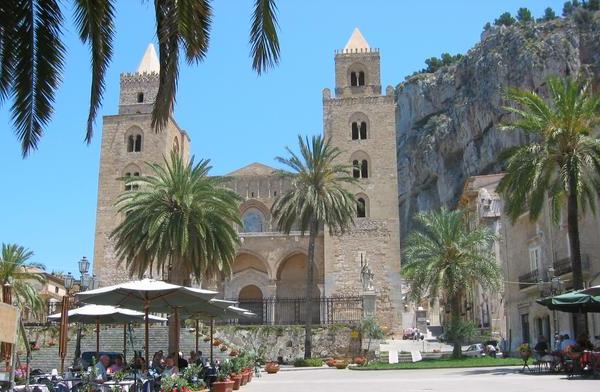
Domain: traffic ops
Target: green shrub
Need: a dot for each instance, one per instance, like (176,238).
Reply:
(311,362)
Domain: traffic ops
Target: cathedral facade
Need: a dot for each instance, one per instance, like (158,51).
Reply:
(357,118)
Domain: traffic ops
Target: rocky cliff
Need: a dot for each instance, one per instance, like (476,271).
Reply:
(448,121)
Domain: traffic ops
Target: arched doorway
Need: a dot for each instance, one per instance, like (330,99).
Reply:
(291,291)
(251,298)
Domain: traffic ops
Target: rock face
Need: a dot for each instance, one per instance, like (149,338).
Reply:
(448,121)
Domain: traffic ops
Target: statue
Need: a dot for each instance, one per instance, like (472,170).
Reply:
(366,275)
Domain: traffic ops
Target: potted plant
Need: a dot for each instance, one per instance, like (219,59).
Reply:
(223,348)
(525,352)
(360,360)
(174,383)
(192,373)
(272,367)
(217,342)
(236,375)
(341,364)
(223,383)
(330,362)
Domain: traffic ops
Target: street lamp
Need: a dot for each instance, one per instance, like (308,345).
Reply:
(84,265)
(69,281)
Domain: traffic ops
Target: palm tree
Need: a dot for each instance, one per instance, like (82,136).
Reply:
(32,53)
(317,196)
(442,257)
(562,163)
(180,220)
(16,270)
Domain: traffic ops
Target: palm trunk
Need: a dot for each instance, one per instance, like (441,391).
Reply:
(179,277)
(314,227)
(454,322)
(574,244)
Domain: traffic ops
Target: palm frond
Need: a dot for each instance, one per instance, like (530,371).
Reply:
(167,31)
(95,22)
(40,54)
(264,41)
(194,19)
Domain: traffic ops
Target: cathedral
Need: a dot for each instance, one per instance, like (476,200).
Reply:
(359,120)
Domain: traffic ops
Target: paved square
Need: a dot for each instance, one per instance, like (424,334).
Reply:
(502,379)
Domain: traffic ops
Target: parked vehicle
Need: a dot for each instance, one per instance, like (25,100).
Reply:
(475,350)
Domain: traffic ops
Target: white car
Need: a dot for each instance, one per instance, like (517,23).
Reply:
(475,350)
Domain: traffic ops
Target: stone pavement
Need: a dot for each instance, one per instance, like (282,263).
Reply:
(502,379)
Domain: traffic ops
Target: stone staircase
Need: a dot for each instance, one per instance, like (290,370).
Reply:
(111,339)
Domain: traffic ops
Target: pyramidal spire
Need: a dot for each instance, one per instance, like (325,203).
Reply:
(356,41)
(149,63)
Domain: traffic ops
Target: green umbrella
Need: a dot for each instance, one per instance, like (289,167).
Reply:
(572,302)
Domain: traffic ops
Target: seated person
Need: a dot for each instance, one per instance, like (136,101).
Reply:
(158,362)
(193,358)
(181,361)
(584,343)
(118,365)
(567,341)
(170,368)
(101,368)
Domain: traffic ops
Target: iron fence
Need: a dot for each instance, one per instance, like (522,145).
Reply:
(292,311)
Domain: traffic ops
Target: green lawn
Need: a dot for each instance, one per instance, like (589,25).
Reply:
(443,363)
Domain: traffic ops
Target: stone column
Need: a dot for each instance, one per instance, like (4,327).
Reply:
(369,303)
(272,295)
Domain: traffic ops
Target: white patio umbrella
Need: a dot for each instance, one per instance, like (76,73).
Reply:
(105,314)
(148,295)
(593,291)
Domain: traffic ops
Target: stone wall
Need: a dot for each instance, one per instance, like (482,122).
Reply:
(287,342)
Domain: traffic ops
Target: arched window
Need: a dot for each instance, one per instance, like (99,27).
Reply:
(359,130)
(130,143)
(364,169)
(361,78)
(140,97)
(253,221)
(363,130)
(353,79)
(361,208)
(138,143)
(355,131)
(355,169)
(132,186)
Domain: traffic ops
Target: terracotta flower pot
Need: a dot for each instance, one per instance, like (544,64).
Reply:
(341,364)
(223,386)
(216,343)
(272,367)
(244,378)
(237,380)
(330,362)
(360,360)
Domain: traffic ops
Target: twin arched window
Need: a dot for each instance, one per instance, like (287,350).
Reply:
(132,186)
(357,78)
(360,169)
(253,221)
(134,143)
(359,130)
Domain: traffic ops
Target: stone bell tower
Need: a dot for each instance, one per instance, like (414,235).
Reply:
(128,143)
(361,122)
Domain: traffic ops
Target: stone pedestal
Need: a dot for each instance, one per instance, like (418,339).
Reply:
(369,303)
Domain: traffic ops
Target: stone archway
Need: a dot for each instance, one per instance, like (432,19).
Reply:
(251,298)
(291,290)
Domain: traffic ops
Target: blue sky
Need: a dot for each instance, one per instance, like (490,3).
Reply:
(48,200)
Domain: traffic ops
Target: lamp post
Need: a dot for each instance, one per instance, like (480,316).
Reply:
(551,287)
(64,321)
(86,282)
